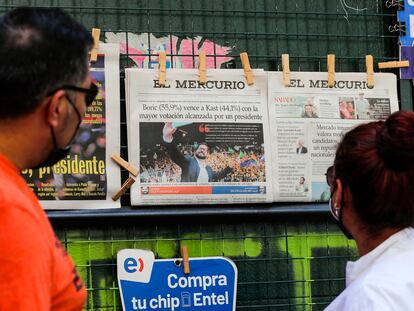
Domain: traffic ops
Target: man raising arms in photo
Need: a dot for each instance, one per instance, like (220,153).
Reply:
(193,168)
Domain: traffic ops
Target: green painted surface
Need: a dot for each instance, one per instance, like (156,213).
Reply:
(283,265)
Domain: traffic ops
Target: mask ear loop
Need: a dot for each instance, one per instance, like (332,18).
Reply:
(335,211)
(344,230)
(53,138)
(79,121)
(342,203)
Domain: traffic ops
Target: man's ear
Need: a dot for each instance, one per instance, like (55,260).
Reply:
(56,109)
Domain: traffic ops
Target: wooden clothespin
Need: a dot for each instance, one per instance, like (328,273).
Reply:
(247,69)
(96,33)
(186,263)
(202,67)
(369,61)
(395,64)
(162,61)
(331,70)
(286,69)
(129,167)
(126,185)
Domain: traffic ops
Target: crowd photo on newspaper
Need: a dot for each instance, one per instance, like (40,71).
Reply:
(237,161)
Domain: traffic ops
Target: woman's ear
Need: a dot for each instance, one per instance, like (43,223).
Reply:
(56,109)
(337,195)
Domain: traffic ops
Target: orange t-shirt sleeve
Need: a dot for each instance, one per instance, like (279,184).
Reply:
(25,259)
(68,288)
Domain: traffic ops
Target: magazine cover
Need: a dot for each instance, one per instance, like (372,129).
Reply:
(87,178)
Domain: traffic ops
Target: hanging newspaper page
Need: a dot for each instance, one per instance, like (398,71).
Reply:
(195,143)
(87,178)
(308,119)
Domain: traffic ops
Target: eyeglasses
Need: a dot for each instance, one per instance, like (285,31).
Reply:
(90,93)
(330,176)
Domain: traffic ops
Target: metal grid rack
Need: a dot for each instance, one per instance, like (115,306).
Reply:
(291,261)
(283,263)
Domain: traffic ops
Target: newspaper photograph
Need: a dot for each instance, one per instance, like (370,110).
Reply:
(307,120)
(87,178)
(198,143)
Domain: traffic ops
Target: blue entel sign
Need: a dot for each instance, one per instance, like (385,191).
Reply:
(148,284)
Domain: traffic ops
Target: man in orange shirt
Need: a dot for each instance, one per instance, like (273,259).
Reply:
(45,88)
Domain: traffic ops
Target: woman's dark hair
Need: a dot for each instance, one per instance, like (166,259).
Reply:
(40,50)
(376,162)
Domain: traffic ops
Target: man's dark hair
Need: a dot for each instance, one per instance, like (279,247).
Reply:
(202,143)
(195,146)
(40,50)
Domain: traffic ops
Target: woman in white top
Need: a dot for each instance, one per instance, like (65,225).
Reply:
(371,184)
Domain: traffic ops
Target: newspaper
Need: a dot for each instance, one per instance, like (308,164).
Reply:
(87,178)
(308,119)
(198,144)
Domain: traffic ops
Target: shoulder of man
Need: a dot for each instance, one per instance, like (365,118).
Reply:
(15,195)
(26,248)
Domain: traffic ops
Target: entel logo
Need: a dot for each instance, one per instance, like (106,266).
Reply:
(131,265)
(135,265)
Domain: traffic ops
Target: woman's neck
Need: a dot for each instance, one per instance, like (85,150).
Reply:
(366,242)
